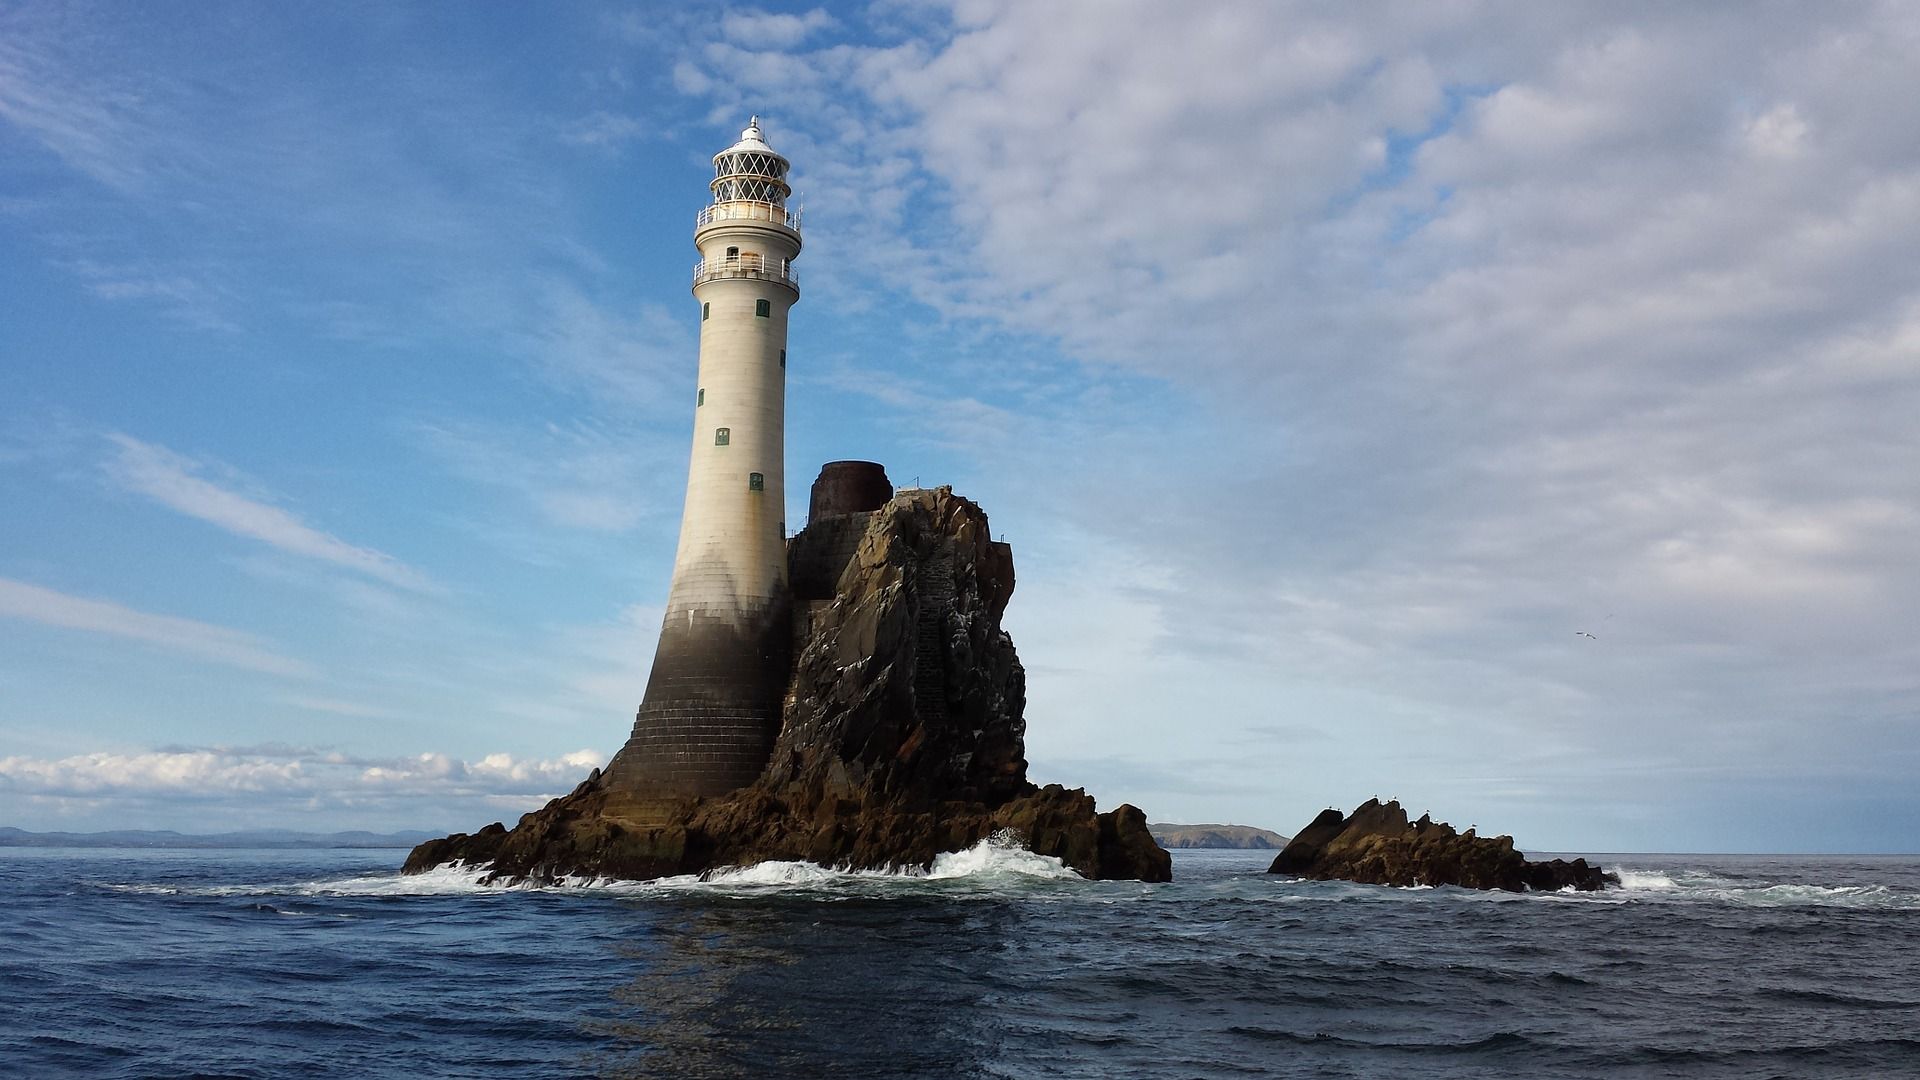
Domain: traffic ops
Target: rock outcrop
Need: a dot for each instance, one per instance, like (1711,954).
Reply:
(902,733)
(1377,845)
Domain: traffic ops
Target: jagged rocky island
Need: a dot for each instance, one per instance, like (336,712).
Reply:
(846,696)
(901,735)
(1377,845)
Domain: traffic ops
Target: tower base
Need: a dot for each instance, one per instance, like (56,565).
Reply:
(712,709)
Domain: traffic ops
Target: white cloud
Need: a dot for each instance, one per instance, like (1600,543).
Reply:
(218,644)
(774,30)
(171,480)
(195,773)
(292,775)
(1779,132)
(1473,339)
(689,79)
(494,774)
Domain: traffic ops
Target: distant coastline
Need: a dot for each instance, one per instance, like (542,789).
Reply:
(1230,837)
(252,838)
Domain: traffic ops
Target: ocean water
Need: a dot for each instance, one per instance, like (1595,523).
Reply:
(997,963)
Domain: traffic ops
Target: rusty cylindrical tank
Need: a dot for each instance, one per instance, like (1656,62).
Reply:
(849,487)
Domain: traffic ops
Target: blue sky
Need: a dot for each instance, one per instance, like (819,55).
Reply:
(1328,371)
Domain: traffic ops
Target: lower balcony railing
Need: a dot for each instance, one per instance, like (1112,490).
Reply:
(746,266)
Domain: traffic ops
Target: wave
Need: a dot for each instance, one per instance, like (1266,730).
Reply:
(1000,860)
(997,864)
(1002,855)
(1831,997)
(438,881)
(1637,885)
(1682,885)
(1646,879)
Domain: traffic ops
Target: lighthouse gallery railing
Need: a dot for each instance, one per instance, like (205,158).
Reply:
(748,211)
(746,266)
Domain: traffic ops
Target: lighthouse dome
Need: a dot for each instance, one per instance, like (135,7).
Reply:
(750,170)
(751,138)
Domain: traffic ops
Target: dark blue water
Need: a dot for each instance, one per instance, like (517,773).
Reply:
(279,964)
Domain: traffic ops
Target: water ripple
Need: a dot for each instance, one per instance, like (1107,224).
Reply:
(997,963)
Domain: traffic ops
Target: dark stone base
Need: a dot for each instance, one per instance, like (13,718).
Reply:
(712,707)
(599,833)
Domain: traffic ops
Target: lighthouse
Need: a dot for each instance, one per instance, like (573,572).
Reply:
(712,705)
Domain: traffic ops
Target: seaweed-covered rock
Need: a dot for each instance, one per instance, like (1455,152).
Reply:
(902,734)
(1377,845)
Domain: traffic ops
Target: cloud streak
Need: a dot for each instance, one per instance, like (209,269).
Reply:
(218,644)
(173,481)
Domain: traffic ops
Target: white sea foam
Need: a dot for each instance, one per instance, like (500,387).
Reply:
(1702,886)
(1644,885)
(998,864)
(999,861)
(1646,879)
(435,882)
(139,889)
(440,880)
(1852,896)
(1001,855)
(774,873)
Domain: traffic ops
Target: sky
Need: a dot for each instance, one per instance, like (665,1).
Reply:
(1506,408)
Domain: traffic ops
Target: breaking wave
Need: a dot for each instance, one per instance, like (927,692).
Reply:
(1702,887)
(1002,866)
(999,863)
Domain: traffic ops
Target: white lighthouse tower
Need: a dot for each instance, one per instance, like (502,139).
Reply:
(712,707)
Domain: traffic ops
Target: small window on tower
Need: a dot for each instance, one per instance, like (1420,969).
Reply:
(733,253)
(763,308)
(701,398)
(756,481)
(783,358)
(705,310)
(720,436)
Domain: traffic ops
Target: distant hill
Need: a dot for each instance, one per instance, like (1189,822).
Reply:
(1217,836)
(253,838)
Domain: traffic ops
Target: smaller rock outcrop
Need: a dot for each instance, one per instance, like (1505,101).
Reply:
(1377,845)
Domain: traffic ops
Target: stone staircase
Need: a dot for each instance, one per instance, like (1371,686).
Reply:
(935,587)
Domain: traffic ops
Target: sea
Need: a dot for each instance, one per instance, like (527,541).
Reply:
(994,963)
